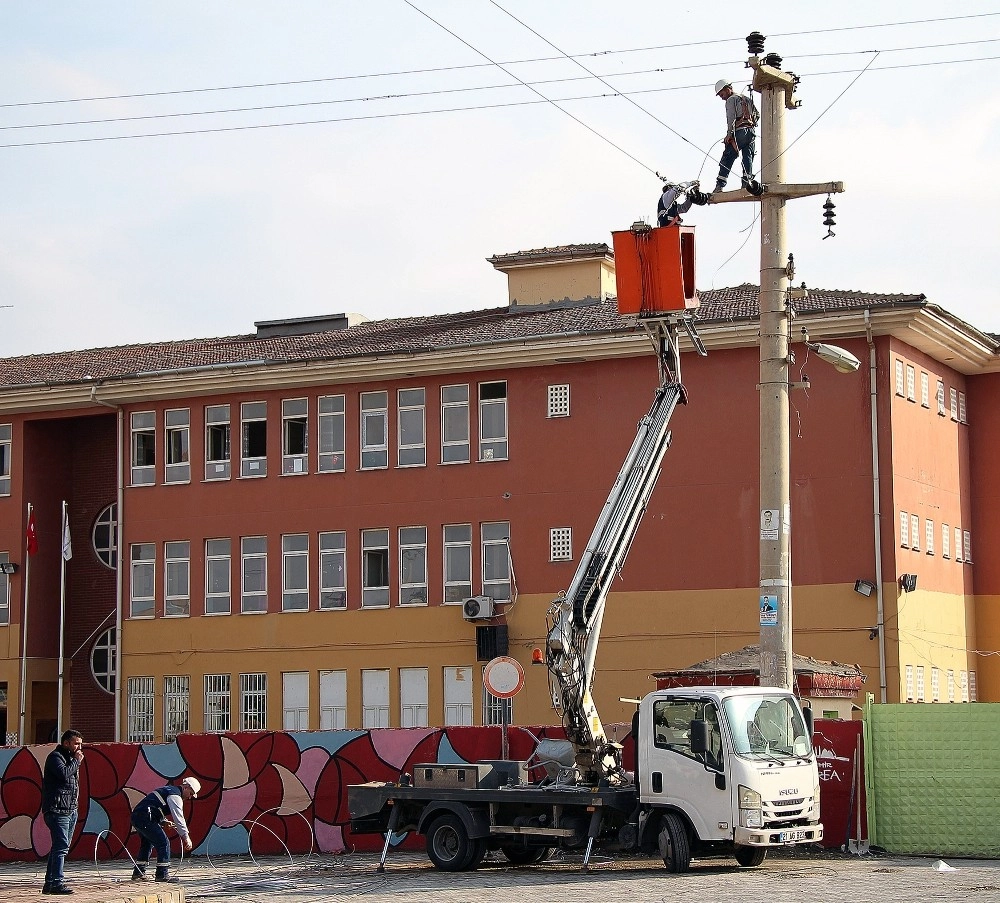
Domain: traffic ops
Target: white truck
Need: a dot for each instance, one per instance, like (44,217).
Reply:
(716,771)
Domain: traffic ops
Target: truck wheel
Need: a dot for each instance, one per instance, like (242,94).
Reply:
(750,857)
(479,849)
(674,845)
(525,855)
(448,845)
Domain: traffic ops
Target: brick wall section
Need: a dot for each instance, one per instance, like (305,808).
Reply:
(90,586)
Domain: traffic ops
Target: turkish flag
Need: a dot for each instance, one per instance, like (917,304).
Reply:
(32,537)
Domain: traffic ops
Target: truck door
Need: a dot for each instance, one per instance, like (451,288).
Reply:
(697,784)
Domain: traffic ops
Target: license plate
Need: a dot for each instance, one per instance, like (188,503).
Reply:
(792,836)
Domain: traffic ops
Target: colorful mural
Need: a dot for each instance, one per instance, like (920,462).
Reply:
(265,792)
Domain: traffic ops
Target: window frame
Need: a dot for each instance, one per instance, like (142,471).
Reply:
(329,551)
(218,431)
(412,542)
(411,453)
(294,717)
(176,706)
(925,389)
(495,535)
(374,415)
(247,557)
(333,700)
(290,558)
(904,529)
(915,532)
(180,565)
(213,555)
(6,450)
(140,709)
(253,701)
(142,445)
(218,695)
(464,707)
(561,544)
(455,449)
(106,645)
(557,401)
(911,383)
(493,447)
(294,432)
(107,553)
(252,466)
(179,432)
(331,454)
(939,396)
(375,595)
(450,585)
(4,592)
(137,564)
(900,384)
(375,715)
(413,707)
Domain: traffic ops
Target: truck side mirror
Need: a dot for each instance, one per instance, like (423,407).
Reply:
(699,736)
(807,713)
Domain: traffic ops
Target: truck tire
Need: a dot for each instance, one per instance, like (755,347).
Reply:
(521,855)
(750,857)
(448,844)
(479,849)
(675,848)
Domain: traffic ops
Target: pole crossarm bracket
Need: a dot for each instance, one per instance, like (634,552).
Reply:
(790,190)
(765,76)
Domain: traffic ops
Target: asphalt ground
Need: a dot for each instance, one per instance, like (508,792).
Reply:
(792,877)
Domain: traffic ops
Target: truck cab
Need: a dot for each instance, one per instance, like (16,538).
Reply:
(734,765)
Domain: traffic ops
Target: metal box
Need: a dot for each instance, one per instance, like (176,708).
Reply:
(452,777)
(655,270)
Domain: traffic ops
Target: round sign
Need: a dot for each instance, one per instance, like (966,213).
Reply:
(503,677)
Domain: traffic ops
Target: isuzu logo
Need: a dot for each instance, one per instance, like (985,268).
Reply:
(790,791)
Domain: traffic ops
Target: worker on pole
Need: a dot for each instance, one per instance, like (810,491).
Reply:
(741,136)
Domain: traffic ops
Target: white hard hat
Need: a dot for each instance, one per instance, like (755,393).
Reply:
(722,83)
(194,784)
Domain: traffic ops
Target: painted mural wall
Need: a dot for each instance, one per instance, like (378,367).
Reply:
(272,792)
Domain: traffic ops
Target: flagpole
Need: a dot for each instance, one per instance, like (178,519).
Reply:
(62,621)
(24,635)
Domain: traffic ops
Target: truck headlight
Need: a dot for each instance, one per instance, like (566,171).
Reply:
(749,798)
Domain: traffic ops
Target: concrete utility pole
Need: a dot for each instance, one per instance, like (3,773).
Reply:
(776,269)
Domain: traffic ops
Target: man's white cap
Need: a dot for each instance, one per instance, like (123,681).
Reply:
(194,784)
(722,83)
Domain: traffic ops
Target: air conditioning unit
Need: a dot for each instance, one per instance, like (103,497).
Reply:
(478,608)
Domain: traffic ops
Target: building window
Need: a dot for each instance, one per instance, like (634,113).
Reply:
(295,701)
(910,387)
(496,561)
(333,570)
(374,430)
(961,408)
(455,424)
(958,544)
(374,699)
(177,579)
(105,536)
(493,421)
(295,436)
(331,434)
(904,529)
(104,660)
(411,416)
(951,685)
(945,541)
(4,591)
(253,595)
(561,544)
(176,706)
(558,401)
(332,700)
(374,568)
(177,430)
(143,448)
(295,572)
(967,546)
(217,703)
(457,696)
(909,683)
(412,565)
(925,390)
(413,697)
(972,687)
(935,685)
(940,397)
(929,536)
(143,579)
(900,385)
(495,710)
(963,685)
(920,683)
(253,702)
(953,394)
(457,563)
(218,577)
(218,453)
(139,719)
(915,532)
(6,434)
(253,455)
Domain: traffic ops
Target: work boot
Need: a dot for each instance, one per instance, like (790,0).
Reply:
(163,874)
(139,872)
(718,187)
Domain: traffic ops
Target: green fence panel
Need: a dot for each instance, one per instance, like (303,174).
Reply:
(934,779)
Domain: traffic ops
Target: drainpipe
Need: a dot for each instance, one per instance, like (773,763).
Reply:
(120,500)
(879,598)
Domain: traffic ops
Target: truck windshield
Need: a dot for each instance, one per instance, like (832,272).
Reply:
(768,726)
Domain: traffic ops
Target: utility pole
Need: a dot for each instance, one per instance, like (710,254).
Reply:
(776,269)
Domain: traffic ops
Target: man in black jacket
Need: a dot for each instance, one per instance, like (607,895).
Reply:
(60,796)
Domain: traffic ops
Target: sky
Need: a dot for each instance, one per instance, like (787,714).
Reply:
(393,146)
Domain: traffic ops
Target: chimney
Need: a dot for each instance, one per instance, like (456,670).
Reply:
(569,273)
(269,329)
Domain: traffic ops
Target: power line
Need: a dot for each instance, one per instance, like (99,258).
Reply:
(465,109)
(434,69)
